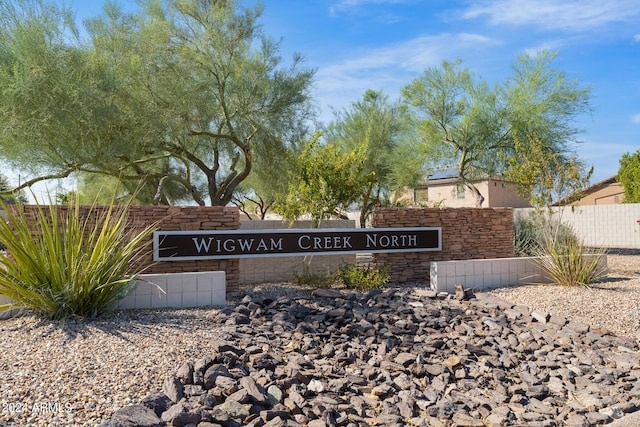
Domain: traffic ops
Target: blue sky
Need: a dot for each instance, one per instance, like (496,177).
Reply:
(357,45)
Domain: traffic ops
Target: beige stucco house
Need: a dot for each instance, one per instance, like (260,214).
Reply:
(606,192)
(443,188)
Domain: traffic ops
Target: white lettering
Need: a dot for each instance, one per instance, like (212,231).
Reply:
(229,245)
(394,241)
(276,244)
(372,241)
(202,244)
(301,245)
(245,245)
(346,243)
(262,246)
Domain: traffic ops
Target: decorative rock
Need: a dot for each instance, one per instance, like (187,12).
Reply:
(274,394)
(172,387)
(256,392)
(137,415)
(180,415)
(397,356)
(233,409)
(540,316)
(316,386)
(185,373)
(157,402)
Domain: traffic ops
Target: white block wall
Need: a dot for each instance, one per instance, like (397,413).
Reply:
(280,269)
(483,274)
(172,290)
(177,290)
(6,314)
(609,226)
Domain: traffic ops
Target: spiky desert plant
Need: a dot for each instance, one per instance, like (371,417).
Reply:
(69,262)
(568,262)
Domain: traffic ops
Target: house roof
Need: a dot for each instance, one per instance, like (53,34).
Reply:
(451,173)
(447,173)
(586,191)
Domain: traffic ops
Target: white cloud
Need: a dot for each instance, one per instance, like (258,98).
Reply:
(390,67)
(346,5)
(568,15)
(636,38)
(635,118)
(551,46)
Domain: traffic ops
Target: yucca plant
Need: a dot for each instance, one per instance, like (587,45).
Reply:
(63,263)
(568,262)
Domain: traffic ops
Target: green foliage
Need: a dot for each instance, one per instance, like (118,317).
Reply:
(629,176)
(468,123)
(568,262)
(363,277)
(393,156)
(350,276)
(530,233)
(557,250)
(187,96)
(69,263)
(10,197)
(544,175)
(324,181)
(305,278)
(525,237)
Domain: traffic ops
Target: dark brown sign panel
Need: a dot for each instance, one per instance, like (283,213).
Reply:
(223,244)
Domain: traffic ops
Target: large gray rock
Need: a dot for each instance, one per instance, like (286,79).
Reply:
(136,416)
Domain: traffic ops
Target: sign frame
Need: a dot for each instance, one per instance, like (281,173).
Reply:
(345,232)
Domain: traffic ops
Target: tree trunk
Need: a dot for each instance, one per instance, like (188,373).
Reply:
(476,193)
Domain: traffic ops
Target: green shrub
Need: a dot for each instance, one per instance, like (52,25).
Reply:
(525,239)
(568,262)
(531,232)
(353,276)
(311,279)
(63,264)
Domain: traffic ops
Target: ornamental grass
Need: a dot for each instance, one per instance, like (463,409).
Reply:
(69,262)
(567,262)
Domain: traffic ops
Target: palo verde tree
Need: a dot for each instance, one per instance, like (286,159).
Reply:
(256,195)
(184,96)
(629,176)
(324,181)
(467,122)
(393,160)
(544,176)
(6,196)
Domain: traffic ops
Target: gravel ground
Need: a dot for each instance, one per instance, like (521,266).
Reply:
(614,303)
(78,373)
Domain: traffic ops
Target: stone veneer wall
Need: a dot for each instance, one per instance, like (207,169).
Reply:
(467,233)
(182,218)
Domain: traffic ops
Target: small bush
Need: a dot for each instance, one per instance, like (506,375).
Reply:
(558,251)
(311,279)
(531,232)
(62,264)
(353,276)
(569,263)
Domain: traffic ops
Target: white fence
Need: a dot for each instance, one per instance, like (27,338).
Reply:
(607,226)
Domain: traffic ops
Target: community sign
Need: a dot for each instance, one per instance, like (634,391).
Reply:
(225,244)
